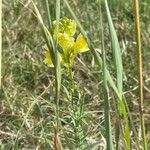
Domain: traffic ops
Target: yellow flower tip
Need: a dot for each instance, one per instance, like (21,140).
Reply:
(71,27)
(48,60)
(66,25)
(80,44)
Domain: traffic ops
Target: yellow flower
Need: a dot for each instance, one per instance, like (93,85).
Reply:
(66,25)
(48,60)
(80,44)
(65,41)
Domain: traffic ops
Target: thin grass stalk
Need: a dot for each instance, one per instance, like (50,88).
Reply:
(57,62)
(57,68)
(48,15)
(105,84)
(140,70)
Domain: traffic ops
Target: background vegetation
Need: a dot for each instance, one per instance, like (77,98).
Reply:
(25,78)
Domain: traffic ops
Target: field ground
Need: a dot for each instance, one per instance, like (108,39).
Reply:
(25,78)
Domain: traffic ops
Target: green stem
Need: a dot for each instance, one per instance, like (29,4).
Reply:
(71,85)
(73,107)
(57,66)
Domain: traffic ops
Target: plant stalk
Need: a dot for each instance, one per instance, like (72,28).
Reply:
(140,70)
(57,65)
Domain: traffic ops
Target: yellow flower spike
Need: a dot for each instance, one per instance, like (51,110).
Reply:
(80,44)
(48,60)
(66,25)
(65,41)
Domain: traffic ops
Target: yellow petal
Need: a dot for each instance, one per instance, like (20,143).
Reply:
(80,44)
(65,41)
(48,60)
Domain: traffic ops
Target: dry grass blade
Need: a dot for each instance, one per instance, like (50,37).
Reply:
(140,71)
(57,141)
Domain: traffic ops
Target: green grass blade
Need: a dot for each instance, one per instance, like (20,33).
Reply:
(116,49)
(105,90)
(48,15)
(119,71)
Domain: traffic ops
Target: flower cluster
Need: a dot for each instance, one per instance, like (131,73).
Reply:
(70,46)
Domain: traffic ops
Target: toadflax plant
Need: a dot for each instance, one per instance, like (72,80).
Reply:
(69,45)
(69,48)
